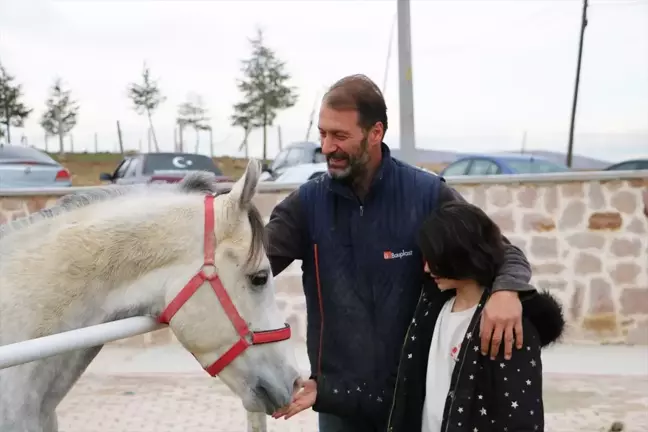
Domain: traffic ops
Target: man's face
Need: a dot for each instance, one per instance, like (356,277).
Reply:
(344,143)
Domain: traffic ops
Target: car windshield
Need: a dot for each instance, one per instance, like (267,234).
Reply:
(535,166)
(157,162)
(10,154)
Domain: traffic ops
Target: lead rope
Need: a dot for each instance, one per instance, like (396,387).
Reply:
(256,422)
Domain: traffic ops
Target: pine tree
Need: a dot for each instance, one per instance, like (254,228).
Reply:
(265,90)
(12,111)
(146,98)
(61,113)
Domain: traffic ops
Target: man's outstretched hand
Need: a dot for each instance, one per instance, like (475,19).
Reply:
(501,320)
(303,399)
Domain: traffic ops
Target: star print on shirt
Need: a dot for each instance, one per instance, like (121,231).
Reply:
(514,404)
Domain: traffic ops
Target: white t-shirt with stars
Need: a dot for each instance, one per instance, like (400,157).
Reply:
(449,333)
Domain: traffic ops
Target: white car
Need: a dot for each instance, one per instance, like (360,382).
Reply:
(301,173)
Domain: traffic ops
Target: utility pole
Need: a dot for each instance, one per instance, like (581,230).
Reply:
(96,143)
(406,93)
(279,139)
(570,146)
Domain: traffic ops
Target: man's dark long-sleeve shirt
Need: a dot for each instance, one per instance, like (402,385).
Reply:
(362,276)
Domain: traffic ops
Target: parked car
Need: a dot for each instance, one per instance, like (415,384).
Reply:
(301,173)
(501,164)
(161,168)
(27,167)
(295,154)
(629,165)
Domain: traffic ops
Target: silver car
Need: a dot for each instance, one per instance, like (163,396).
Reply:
(27,167)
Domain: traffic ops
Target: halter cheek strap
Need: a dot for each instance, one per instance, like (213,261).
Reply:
(246,336)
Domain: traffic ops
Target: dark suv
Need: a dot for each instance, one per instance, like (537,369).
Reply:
(161,168)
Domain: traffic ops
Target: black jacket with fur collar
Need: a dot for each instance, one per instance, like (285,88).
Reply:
(485,395)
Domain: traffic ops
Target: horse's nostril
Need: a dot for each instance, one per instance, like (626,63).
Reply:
(272,395)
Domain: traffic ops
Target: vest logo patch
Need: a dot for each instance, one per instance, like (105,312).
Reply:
(388,255)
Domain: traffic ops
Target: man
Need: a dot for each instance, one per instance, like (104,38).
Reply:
(355,232)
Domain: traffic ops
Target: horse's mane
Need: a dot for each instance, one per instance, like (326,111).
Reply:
(195,182)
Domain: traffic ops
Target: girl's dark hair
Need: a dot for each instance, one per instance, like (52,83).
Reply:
(459,241)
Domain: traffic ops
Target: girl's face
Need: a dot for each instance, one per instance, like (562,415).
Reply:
(443,283)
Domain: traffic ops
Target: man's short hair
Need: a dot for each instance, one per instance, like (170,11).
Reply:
(459,241)
(359,93)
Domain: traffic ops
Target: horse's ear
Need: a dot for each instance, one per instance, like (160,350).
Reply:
(245,188)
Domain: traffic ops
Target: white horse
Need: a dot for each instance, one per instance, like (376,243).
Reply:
(182,253)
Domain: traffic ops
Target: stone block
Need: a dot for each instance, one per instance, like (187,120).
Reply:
(11,204)
(624,201)
(602,324)
(573,215)
(625,273)
(527,197)
(551,199)
(585,240)
(626,248)
(604,221)
(596,198)
(586,263)
(637,226)
(576,304)
(600,296)
(544,247)
(572,190)
(639,334)
(551,285)
(611,185)
(634,301)
(537,222)
(504,220)
(518,241)
(500,196)
(479,196)
(551,268)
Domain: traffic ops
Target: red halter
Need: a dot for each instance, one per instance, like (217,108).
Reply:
(247,337)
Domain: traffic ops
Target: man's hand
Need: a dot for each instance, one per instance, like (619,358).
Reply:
(501,318)
(302,400)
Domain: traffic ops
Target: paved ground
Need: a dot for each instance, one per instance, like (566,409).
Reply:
(163,390)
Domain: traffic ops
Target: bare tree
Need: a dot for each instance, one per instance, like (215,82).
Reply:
(193,113)
(146,98)
(61,113)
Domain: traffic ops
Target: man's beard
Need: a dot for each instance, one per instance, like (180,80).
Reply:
(356,167)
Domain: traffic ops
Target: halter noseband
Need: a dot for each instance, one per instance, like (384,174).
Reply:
(247,337)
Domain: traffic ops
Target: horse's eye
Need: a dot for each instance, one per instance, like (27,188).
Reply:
(259,278)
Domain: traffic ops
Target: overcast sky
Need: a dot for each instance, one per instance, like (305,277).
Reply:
(484,71)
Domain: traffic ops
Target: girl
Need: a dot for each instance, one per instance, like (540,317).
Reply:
(444,382)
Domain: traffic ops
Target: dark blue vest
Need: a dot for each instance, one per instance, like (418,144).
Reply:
(362,274)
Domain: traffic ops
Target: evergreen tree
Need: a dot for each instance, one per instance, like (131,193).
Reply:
(265,90)
(12,111)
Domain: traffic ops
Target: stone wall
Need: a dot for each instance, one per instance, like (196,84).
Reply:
(585,234)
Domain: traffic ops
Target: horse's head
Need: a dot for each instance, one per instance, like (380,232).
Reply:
(263,375)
